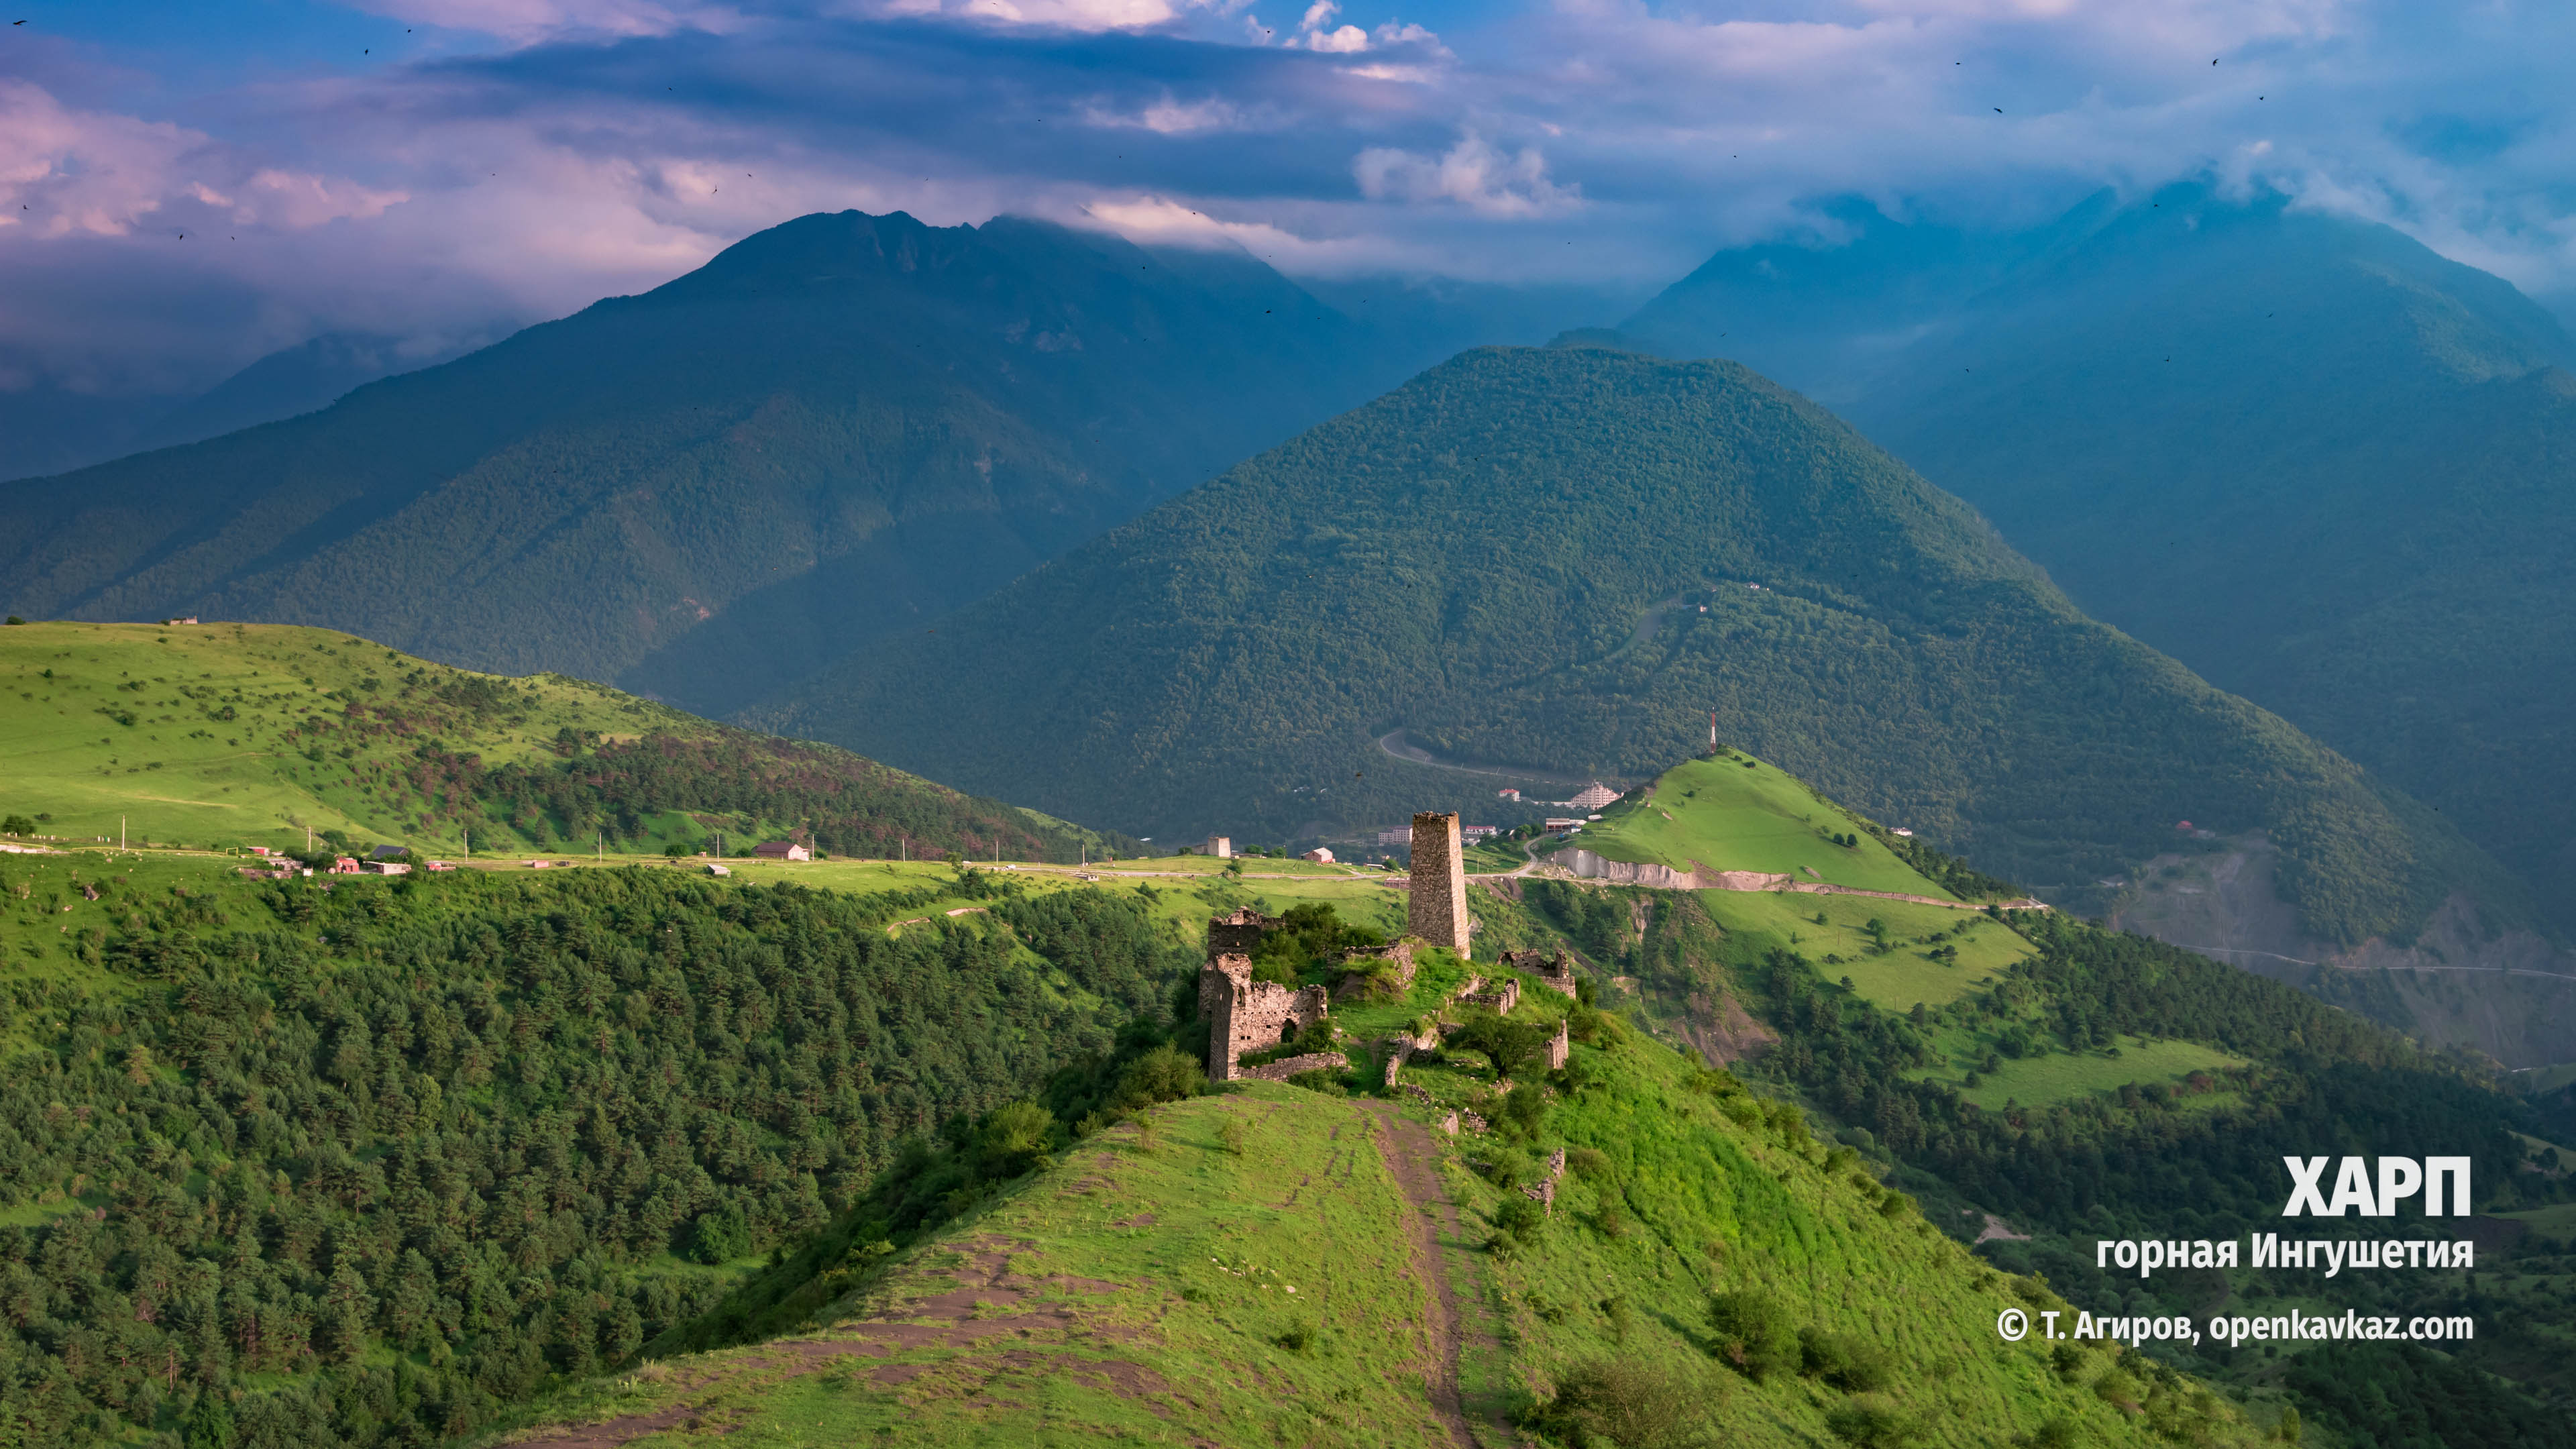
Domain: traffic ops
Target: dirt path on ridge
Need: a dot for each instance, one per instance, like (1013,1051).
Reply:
(1409,1152)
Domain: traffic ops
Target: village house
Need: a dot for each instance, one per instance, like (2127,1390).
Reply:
(1321,855)
(781,850)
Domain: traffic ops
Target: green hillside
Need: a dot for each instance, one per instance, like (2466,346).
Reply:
(223,735)
(1733,813)
(825,1150)
(1275,1264)
(1558,561)
(2305,455)
(709,490)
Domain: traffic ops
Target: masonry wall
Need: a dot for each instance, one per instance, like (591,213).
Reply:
(1245,1015)
(1438,909)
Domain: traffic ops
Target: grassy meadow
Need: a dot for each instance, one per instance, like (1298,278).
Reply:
(191,734)
(1739,813)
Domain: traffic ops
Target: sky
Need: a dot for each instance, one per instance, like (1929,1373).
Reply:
(185,187)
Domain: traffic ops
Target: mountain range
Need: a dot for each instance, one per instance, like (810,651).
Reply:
(835,428)
(1534,563)
(2318,463)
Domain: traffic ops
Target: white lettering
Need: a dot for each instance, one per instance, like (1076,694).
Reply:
(2398,1177)
(2352,1189)
(2227,1253)
(2435,1169)
(2303,1190)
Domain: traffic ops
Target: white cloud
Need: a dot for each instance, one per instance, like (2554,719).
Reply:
(529,22)
(1472,174)
(1170,117)
(1087,16)
(67,173)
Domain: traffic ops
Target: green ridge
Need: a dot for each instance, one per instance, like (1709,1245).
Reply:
(1508,558)
(224,735)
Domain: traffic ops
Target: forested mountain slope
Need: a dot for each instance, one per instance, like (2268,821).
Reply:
(226,735)
(2318,463)
(1561,560)
(840,426)
(370,1161)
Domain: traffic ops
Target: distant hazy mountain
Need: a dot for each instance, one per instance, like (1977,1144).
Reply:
(2322,465)
(1508,559)
(839,427)
(47,427)
(290,382)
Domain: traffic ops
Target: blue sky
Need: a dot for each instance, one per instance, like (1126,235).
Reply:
(184,187)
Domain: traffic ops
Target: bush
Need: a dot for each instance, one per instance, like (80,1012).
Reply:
(1233,1135)
(1753,1333)
(1843,1360)
(1517,1225)
(1321,1079)
(1630,1405)
(1298,1339)
(720,1235)
(1160,1075)
(1589,1163)
(1871,1424)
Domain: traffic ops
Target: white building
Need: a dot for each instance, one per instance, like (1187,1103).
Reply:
(1220,846)
(1321,855)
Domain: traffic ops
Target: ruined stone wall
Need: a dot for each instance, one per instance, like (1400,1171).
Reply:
(1556,972)
(1245,1015)
(1359,964)
(1286,1067)
(1438,909)
(1559,1047)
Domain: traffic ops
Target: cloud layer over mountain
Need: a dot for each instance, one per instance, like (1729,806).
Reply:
(180,193)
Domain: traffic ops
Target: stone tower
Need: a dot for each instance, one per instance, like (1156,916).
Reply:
(1438,912)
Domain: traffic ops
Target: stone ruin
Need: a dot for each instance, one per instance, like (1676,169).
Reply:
(1437,908)
(1359,965)
(1559,1047)
(1245,1015)
(1556,972)
(1502,999)
(1544,1191)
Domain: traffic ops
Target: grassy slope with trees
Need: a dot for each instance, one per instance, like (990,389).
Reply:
(1508,557)
(367,1161)
(1233,1268)
(711,489)
(232,734)
(311,1080)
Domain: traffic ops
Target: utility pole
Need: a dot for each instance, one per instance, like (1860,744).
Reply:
(120,832)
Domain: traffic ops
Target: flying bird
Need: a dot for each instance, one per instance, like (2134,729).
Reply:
(1999,110)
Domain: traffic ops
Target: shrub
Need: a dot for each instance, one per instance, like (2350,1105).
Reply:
(1509,1169)
(1753,1333)
(1321,1079)
(1629,1405)
(1517,1225)
(1846,1361)
(1895,1205)
(1233,1135)
(1524,1109)
(1160,1075)
(720,1235)
(1298,1339)
(1589,1163)
(1871,1424)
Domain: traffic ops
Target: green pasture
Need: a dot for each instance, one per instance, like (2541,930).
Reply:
(180,735)
(2038,1081)
(1842,946)
(1739,813)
